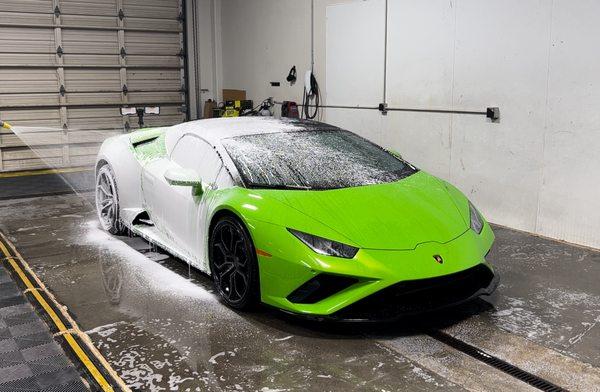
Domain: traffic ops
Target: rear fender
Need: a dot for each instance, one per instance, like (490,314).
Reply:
(118,153)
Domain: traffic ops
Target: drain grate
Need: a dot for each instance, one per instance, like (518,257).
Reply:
(497,363)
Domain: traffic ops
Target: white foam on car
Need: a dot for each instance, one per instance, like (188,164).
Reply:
(216,129)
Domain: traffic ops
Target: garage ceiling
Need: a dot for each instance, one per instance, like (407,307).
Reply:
(68,66)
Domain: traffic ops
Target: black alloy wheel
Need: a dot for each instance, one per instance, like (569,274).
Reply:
(233,263)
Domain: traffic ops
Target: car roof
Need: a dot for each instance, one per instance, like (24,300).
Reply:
(214,130)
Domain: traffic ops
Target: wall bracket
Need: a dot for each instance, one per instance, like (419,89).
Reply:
(493,113)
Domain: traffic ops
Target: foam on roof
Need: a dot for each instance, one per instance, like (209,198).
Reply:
(216,129)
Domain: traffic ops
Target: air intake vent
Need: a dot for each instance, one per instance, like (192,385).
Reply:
(415,296)
(319,288)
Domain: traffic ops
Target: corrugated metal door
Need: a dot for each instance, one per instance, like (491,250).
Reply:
(68,66)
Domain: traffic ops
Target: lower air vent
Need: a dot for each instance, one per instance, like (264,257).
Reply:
(142,219)
(319,288)
(415,296)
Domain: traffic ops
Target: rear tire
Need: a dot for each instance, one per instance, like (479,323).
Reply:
(233,264)
(107,201)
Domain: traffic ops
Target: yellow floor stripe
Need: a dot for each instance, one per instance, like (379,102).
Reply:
(57,321)
(59,324)
(88,364)
(4,250)
(21,274)
(44,171)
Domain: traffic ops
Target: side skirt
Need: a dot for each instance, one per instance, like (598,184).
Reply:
(153,235)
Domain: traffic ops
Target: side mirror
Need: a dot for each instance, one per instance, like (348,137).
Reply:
(183,177)
(396,154)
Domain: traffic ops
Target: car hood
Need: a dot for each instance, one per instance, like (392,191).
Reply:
(394,216)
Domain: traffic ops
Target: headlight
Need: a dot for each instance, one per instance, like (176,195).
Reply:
(476,219)
(324,246)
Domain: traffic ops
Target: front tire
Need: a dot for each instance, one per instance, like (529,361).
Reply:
(107,201)
(233,264)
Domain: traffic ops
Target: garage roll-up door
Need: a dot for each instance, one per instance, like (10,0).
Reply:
(68,66)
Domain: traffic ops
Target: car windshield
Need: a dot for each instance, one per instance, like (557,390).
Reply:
(313,159)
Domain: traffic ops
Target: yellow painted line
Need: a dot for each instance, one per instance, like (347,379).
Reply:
(62,328)
(57,321)
(88,364)
(59,324)
(5,251)
(21,274)
(27,173)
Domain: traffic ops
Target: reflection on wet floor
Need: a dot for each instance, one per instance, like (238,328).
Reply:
(182,335)
(160,325)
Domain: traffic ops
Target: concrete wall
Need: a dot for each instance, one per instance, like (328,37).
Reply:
(537,170)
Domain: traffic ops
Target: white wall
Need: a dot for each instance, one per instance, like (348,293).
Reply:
(262,39)
(203,53)
(537,170)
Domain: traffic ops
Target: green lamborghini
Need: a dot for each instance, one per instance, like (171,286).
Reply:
(299,215)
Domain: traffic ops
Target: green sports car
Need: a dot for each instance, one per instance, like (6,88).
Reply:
(299,215)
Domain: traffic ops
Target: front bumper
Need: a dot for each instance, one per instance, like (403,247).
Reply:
(421,296)
(386,283)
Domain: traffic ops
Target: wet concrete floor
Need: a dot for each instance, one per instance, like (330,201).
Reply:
(161,327)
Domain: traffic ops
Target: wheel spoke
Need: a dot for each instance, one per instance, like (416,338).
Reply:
(107,207)
(231,240)
(232,288)
(229,270)
(225,276)
(103,183)
(225,267)
(221,249)
(245,283)
(236,246)
(240,253)
(223,243)
(102,188)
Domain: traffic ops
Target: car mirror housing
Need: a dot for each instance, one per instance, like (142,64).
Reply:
(183,177)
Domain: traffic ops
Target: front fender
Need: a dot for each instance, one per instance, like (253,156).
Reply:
(253,205)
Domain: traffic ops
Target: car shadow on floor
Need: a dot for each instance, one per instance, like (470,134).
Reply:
(383,329)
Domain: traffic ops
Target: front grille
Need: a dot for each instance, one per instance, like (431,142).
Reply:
(415,296)
(319,288)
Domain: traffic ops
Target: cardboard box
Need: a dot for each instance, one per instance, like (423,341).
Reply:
(234,95)
(209,107)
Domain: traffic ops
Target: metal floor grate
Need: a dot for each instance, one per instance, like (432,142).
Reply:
(497,363)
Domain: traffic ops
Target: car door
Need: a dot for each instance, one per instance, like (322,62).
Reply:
(187,207)
(154,190)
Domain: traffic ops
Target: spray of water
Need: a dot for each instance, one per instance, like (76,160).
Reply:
(71,152)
